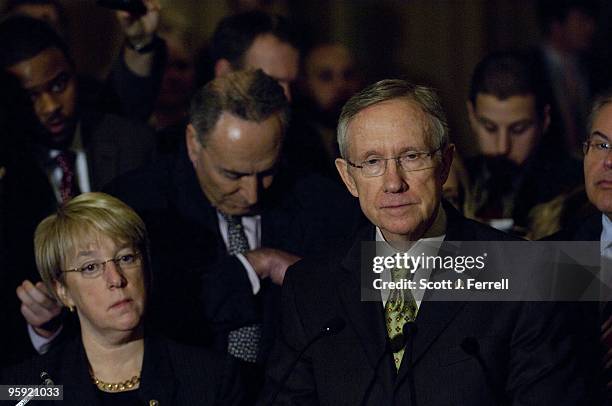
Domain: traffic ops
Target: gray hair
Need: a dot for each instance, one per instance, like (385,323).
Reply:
(601,101)
(249,94)
(424,97)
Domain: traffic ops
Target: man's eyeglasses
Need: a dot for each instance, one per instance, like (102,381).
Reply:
(599,147)
(92,270)
(409,162)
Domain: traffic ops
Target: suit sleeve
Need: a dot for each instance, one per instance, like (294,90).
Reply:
(299,387)
(228,295)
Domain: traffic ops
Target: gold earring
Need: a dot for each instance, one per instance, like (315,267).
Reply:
(71,308)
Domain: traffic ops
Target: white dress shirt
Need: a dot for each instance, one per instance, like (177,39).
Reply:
(430,244)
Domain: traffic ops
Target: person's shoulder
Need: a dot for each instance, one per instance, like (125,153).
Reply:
(585,229)
(461,228)
(189,355)
(98,127)
(29,372)
(484,232)
(144,188)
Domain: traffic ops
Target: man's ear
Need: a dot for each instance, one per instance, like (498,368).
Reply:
(193,144)
(448,154)
(222,67)
(62,293)
(347,177)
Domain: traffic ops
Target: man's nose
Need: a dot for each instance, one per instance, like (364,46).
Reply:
(393,178)
(48,104)
(250,189)
(503,143)
(608,160)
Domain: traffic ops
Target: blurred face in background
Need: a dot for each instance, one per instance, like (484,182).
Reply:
(509,128)
(331,77)
(576,32)
(276,58)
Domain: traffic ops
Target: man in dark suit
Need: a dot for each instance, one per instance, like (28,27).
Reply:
(68,149)
(241,219)
(598,227)
(395,158)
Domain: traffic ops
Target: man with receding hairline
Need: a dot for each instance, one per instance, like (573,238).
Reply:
(401,348)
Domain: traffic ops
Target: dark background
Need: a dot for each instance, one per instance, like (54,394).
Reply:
(434,42)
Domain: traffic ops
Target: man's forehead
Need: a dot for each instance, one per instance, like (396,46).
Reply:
(329,56)
(514,103)
(41,68)
(603,118)
(238,139)
(396,124)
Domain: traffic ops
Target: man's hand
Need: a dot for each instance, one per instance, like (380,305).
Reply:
(271,263)
(140,29)
(38,307)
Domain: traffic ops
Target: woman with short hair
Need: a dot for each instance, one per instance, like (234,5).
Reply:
(93,256)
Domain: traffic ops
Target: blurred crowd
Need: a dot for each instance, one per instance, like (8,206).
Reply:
(228,153)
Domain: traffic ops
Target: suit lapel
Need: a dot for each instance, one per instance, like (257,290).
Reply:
(158,380)
(366,318)
(434,316)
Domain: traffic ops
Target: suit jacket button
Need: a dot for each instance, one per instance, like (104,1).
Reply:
(153,402)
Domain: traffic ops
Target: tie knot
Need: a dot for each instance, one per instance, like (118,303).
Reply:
(398,274)
(65,160)
(236,236)
(231,219)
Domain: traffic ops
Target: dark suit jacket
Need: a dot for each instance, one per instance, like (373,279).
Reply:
(590,315)
(202,292)
(523,353)
(588,229)
(172,374)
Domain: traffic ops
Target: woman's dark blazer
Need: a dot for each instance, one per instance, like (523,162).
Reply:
(172,374)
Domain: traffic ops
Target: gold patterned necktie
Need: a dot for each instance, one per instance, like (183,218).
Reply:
(400,309)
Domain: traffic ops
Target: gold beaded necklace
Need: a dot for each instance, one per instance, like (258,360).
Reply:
(124,386)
